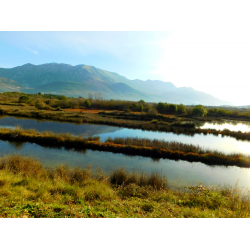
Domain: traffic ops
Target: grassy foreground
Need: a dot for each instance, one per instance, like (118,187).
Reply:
(27,190)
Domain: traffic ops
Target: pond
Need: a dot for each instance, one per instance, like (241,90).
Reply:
(177,172)
(224,144)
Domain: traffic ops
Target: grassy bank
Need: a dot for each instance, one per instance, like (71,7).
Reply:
(27,189)
(131,146)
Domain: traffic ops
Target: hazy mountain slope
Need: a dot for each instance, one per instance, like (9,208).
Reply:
(122,88)
(10,85)
(115,91)
(191,96)
(72,88)
(152,86)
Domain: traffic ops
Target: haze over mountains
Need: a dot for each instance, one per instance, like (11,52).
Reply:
(82,79)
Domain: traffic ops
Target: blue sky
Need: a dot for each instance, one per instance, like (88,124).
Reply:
(216,63)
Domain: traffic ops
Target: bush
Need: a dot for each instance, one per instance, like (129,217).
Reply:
(24,99)
(199,110)
(172,108)
(87,103)
(181,109)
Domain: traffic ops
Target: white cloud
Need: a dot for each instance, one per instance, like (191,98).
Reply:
(32,51)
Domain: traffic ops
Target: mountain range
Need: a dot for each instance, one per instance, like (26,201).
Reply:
(80,80)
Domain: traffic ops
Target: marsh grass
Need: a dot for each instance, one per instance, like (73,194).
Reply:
(160,144)
(70,192)
(120,177)
(27,166)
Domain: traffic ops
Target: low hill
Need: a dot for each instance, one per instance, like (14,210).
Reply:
(10,85)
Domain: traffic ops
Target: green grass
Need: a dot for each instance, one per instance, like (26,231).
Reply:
(29,190)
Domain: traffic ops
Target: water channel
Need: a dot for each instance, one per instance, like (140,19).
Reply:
(224,144)
(177,172)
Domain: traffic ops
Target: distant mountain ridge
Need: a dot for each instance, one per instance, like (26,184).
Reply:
(82,79)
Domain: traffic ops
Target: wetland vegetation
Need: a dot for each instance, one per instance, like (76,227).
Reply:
(60,108)
(28,189)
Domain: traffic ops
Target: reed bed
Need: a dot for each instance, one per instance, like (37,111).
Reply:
(161,144)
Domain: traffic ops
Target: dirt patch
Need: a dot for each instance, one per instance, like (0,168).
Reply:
(96,111)
(169,116)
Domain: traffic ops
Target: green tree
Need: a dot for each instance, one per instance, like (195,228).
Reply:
(142,101)
(133,107)
(63,98)
(161,107)
(181,109)
(199,110)
(141,107)
(172,108)
(87,103)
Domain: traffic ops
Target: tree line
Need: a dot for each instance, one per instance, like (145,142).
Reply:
(47,101)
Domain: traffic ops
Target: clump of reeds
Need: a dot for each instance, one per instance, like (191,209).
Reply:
(159,144)
(21,165)
(70,175)
(120,177)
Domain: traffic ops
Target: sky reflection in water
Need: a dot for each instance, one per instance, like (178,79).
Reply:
(178,172)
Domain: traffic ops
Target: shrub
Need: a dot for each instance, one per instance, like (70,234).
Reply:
(181,109)
(21,165)
(24,99)
(87,103)
(199,110)
(172,108)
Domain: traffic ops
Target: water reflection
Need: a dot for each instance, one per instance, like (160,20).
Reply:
(177,172)
(224,144)
(84,130)
(226,124)
(16,144)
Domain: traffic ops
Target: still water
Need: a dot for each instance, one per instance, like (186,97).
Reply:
(224,144)
(231,125)
(177,172)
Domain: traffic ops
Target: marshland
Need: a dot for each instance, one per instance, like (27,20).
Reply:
(136,151)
